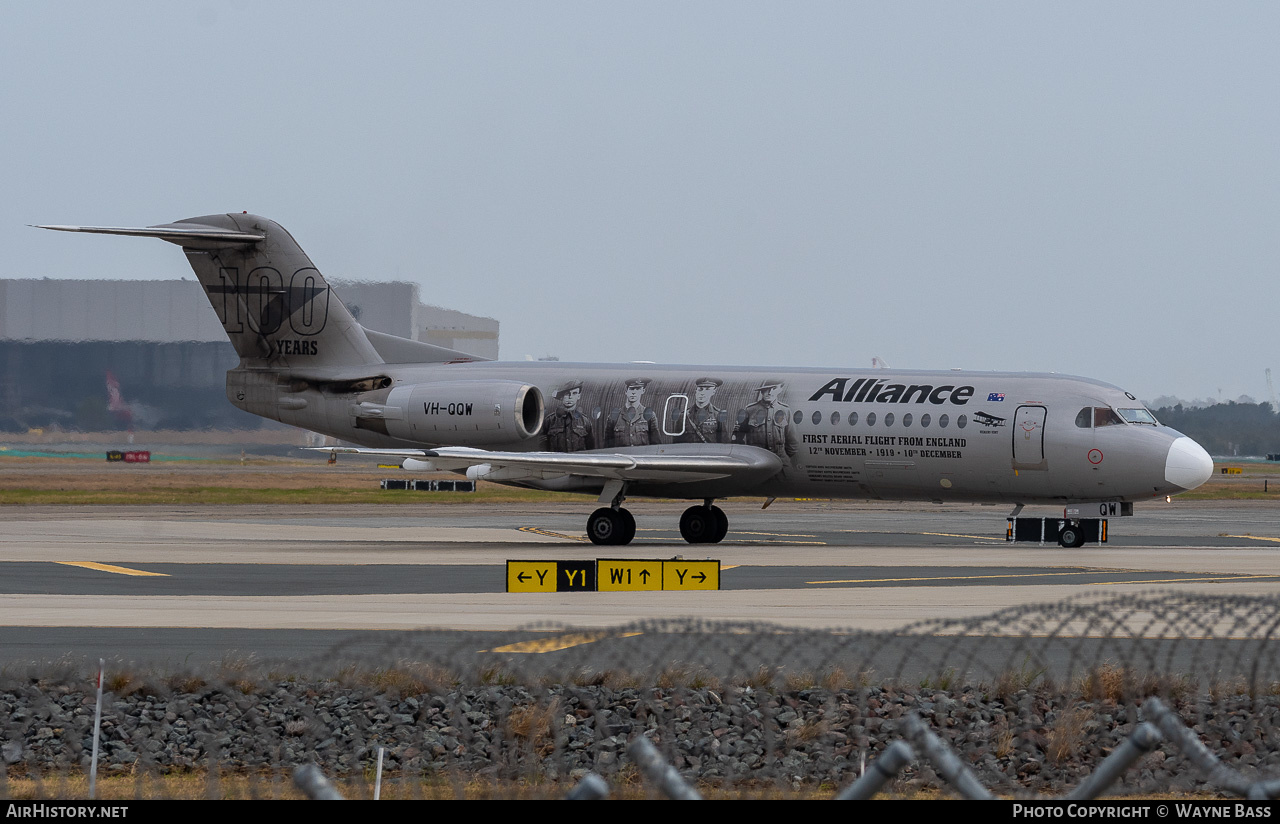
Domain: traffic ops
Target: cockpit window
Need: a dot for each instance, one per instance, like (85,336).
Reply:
(1085,419)
(1106,416)
(1138,416)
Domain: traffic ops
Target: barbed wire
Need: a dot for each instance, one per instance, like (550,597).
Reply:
(1029,701)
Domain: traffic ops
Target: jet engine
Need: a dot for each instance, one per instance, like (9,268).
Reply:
(460,413)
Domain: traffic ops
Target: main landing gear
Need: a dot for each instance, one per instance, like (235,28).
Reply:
(614,526)
(611,527)
(706,524)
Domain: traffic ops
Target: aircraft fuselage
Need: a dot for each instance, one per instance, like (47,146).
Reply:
(889,434)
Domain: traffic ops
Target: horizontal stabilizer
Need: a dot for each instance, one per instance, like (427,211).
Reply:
(393,349)
(184,234)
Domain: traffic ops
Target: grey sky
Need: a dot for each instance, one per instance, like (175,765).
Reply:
(1090,188)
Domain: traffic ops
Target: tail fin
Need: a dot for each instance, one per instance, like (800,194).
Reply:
(274,304)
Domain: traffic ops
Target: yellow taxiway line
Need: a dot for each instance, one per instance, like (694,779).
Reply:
(118,570)
(959,577)
(576,639)
(1208,579)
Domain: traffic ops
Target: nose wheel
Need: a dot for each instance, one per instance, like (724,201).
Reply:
(611,527)
(1071,536)
(706,524)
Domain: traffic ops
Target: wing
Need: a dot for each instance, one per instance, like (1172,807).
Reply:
(667,463)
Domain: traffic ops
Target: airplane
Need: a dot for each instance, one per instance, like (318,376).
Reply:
(986,419)
(670,431)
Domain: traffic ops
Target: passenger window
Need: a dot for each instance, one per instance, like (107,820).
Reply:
(871,419)
(906,419)
(853,418)
(924,419)
(962,421)
(799,416)
(1085,419)
(888,419)
(1106,416)
(817,418)
(835,418)
(942,421)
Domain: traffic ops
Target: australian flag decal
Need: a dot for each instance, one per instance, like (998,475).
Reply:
(995,396)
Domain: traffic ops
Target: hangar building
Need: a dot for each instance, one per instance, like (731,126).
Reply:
(161,340)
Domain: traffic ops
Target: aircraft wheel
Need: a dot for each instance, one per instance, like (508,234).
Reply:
(1071,537)
(722,525)
(628,527)
(698,524)
(608,527)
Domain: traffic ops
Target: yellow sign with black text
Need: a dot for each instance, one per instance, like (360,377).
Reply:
(690,574)
(620,576)
(611,575)
(551,576)
(531,576)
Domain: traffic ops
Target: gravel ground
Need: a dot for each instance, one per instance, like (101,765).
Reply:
(1024,743)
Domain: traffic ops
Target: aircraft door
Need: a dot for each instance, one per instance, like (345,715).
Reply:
(1028,438)
(673,415)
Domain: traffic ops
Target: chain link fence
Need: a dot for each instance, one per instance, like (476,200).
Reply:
(1163,693)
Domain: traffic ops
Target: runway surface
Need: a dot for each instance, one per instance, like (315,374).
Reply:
(151,583)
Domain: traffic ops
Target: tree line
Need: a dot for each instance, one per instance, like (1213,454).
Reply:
(1227,429)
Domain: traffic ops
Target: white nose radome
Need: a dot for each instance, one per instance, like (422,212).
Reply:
(1188,465)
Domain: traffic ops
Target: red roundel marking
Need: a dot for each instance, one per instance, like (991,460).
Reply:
(1095,456)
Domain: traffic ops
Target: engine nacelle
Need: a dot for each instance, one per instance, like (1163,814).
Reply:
(464,413)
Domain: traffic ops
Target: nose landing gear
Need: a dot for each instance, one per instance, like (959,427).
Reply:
(1071,536)
(1070,533)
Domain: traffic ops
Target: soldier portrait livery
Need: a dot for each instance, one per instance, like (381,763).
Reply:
(567,429)
(767,423)
(704,422)
(635,424)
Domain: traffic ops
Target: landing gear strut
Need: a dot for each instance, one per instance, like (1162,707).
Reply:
(706,524)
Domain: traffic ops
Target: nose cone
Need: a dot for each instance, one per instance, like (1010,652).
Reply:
(1188,465)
